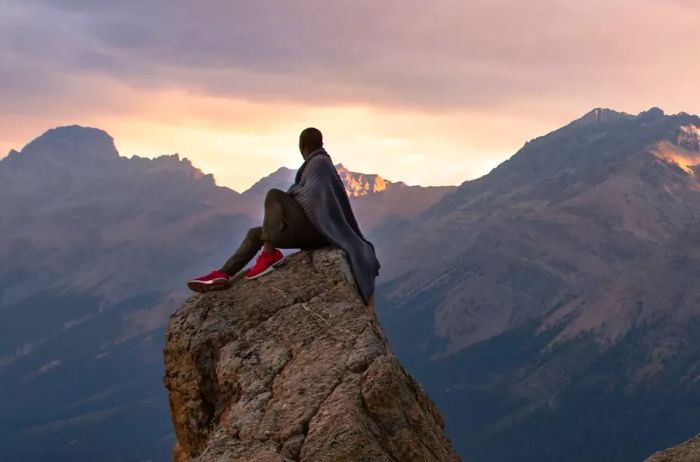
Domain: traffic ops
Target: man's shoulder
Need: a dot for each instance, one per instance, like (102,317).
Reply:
(322,158)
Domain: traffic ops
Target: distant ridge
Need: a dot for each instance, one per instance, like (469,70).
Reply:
(74,143)
(94,249)
(356,184)
(556,296)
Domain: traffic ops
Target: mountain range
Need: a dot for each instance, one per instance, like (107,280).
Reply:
(553,303)
(95,248)
(549,307)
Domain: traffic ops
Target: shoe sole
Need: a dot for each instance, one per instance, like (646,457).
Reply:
(204,287)
(269,270)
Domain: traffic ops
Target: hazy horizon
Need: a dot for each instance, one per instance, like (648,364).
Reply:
(430,96)
(295,166)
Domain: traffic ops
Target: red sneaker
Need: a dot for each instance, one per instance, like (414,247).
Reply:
(216,280)
(265,263)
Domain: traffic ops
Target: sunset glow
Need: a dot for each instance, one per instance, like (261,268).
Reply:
(428,97)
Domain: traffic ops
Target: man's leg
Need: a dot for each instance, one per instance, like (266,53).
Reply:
(246,251)
(220,279)
(286,225)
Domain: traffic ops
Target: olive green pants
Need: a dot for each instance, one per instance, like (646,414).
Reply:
(285,225)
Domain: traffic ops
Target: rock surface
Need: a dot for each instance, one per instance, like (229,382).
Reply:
(685,452)
(293,367)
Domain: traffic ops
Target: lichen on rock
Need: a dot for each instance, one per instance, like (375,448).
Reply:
(294,367)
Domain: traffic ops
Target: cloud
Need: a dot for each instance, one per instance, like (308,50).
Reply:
(470,79)
(441,55)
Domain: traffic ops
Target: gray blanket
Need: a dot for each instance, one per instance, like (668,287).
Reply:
(320,192)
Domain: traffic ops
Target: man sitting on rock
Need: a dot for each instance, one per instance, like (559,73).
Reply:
(314,212)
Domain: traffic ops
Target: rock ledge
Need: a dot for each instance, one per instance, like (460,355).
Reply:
(684,452)
(294,367)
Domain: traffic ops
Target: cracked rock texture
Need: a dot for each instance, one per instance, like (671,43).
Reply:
(294,367)
(684,452)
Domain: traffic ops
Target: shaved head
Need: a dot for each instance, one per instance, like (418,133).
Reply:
(310,140)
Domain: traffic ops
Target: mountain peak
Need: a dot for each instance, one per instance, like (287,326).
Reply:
(361,184)
(281,178)
(600,115)
(652,113)
(356,184)
(295,367)
(72,143)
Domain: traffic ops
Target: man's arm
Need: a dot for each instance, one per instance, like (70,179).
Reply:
(293,189)
(308,178)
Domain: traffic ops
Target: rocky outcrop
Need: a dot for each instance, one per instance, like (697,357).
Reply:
(361,184)
(294,367)
(685,452)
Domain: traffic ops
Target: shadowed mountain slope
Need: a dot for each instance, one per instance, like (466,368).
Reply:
(94,252)
(556,296)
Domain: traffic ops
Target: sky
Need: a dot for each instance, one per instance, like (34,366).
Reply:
(430,93)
